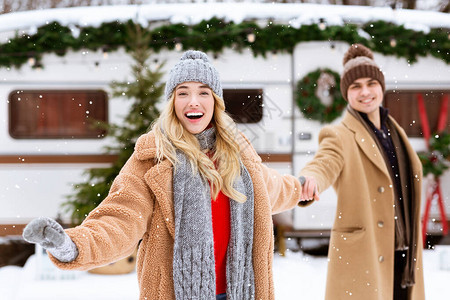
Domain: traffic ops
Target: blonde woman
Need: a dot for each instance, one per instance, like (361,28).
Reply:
(197,195)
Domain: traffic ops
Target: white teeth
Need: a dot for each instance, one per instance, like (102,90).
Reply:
(195,114)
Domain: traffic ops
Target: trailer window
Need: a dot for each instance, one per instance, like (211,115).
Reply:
(54,114)
(403,106)
(244,106)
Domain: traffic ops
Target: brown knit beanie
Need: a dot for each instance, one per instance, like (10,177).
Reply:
(358,63)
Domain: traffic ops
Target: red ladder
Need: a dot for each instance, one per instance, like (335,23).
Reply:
(433,189)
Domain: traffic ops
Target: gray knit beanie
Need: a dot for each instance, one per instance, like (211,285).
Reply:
(358,63)
(193,66)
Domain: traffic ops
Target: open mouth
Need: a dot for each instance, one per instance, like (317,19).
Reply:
(194,115)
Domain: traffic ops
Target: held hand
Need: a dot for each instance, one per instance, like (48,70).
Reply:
(309,189)
(51,236)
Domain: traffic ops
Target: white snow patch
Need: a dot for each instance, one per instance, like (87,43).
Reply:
(296,275)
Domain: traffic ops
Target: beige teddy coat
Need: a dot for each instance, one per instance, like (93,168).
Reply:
(140,207)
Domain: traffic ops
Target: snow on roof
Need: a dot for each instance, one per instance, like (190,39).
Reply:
(296,14)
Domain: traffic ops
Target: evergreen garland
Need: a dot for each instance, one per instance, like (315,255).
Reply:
(145,91)
(215,35)
(311,106)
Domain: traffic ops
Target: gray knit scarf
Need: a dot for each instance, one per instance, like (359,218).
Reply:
(193,257)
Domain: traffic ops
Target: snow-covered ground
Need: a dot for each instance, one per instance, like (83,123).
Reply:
(297,276)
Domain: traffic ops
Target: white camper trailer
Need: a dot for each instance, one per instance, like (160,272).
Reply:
(40,160)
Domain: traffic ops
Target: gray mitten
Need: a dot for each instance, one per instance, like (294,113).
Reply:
(51,236)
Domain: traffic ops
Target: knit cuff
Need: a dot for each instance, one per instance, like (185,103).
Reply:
(65,253)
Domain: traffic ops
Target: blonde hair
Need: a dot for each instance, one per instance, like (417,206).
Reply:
(171,135)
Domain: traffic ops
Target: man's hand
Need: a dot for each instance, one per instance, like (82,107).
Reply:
(309,189)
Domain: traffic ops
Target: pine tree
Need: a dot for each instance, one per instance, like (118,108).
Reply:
(145,91)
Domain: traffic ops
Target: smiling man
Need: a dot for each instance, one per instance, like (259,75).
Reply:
(375,250)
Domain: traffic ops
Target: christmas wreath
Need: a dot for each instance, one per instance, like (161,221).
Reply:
(319,97)
(436,160)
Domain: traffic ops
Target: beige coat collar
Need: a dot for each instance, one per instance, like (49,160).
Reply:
(365,141)
(159,177)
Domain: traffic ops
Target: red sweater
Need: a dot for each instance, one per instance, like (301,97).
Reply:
(220,209)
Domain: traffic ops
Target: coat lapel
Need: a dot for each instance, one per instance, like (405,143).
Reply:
(159,178)
(365,142)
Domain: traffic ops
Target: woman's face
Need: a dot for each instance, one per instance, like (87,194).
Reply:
(194,105)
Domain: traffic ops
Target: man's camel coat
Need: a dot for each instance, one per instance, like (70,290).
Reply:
(361,251)
(140,206)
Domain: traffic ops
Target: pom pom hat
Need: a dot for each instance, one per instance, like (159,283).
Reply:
(193,66)
(358,63)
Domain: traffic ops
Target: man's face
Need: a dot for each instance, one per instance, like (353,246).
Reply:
(365,95)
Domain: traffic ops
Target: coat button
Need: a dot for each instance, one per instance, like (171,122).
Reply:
(381,258)
(380,224)
(381,189)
